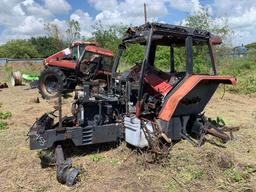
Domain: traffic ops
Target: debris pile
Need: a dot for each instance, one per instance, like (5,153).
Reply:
(3,85)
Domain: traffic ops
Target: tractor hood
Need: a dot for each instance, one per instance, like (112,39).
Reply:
(57,56)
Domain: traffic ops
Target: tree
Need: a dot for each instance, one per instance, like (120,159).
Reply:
(45,46)
(203,20)
(55,34)
(111,36)
(53,30)
(18,49)
(108,36)
(73,31)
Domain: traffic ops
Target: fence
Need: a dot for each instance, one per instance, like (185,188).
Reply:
(4,61)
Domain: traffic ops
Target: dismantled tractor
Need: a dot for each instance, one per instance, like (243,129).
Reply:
(145,106)
(67,67)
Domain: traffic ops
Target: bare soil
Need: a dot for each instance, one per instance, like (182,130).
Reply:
(212,167)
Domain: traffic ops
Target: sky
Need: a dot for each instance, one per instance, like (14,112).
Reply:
(26,18)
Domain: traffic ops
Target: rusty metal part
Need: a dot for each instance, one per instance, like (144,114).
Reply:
(159,143)
(189,139)
(217,133)
(226,129)
(66,174)
(230,130)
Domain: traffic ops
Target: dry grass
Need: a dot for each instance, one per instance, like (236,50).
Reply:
(23,67)
(118,168)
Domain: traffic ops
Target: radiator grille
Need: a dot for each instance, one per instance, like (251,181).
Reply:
(87,135)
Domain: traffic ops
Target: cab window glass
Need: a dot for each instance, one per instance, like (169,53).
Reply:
(75,52)
(88,55)
(107,62)
(81,49)
(201,59)
(163,58)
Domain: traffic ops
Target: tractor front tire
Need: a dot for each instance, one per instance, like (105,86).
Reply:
(51,82)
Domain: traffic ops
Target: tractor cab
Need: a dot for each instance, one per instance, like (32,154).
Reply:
(174,79)
(95,59)
(68,57)
(78,47)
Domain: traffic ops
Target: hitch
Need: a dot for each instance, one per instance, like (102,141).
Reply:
(66,174)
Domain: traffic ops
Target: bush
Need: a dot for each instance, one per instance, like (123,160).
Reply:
(47,46)
(244,69)
(18,49)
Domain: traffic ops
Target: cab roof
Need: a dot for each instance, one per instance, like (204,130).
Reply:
(165,34)
(99,50)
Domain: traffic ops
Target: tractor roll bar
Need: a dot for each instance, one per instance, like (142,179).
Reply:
(144,64)
(189,55)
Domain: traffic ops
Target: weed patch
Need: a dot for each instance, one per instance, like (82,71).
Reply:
(233,175)
(115,162)
(96,157)
(5,115)
(3,125)
(197,175)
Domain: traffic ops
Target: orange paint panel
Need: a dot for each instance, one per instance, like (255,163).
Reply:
(171,104)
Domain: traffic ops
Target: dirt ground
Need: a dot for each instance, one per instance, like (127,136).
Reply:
(212,167)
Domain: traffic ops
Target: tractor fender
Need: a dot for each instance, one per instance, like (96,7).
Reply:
(174,97)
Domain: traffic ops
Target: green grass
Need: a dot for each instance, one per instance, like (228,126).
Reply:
(5,115)
(3,125)
(197,175)
(115,162)
(24,68)
(97,157)
(233,174)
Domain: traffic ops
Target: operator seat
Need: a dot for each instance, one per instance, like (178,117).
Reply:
(158,80)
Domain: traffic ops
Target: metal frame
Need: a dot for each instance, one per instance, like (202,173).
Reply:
(150,32)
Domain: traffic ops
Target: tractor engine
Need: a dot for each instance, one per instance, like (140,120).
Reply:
(96,111)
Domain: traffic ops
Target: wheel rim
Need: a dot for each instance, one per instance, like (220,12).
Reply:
(51,84)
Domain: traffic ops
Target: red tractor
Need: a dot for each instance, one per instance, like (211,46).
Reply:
(62,68)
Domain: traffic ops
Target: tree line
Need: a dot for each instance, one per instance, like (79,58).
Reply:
(107,36)
(42,46)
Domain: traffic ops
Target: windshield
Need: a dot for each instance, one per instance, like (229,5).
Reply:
(106,61)
(132,55)
(81,48)
(75,52)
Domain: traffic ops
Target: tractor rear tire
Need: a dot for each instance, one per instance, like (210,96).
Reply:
(52,80)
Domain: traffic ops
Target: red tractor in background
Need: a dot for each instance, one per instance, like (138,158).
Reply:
(71,66)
